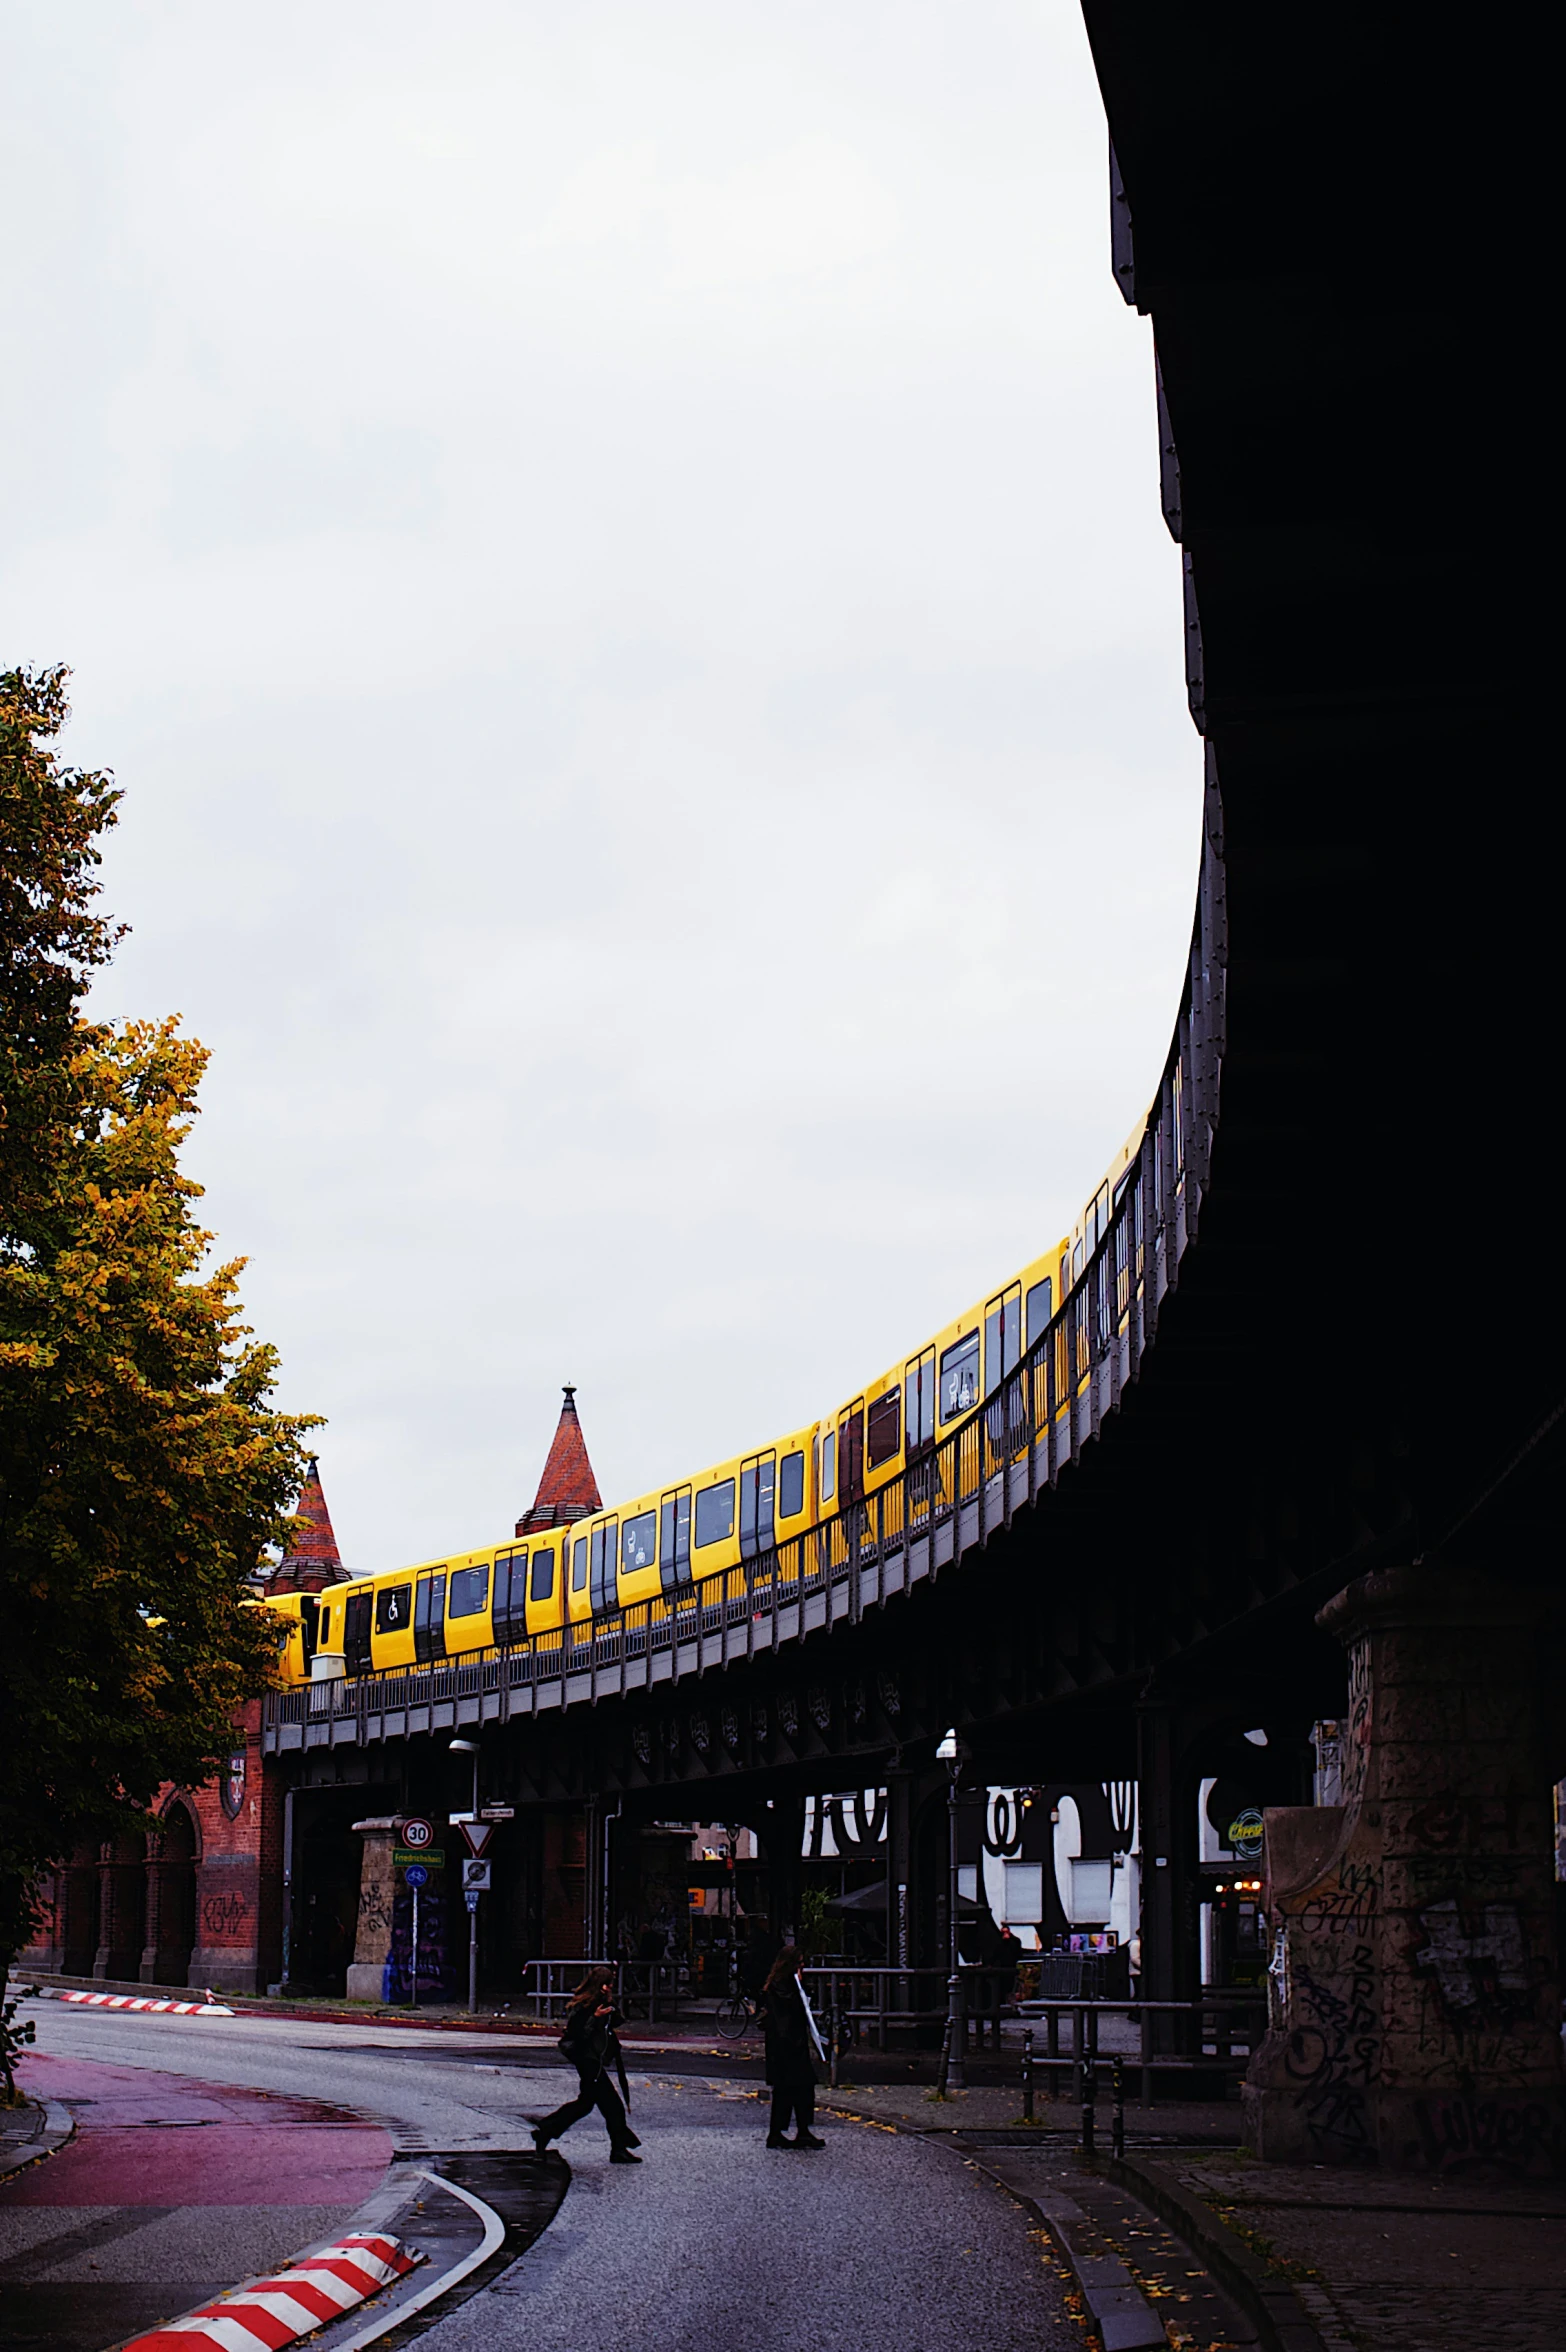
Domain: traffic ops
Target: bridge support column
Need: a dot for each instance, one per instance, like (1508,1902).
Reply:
(899,1870)
(1170,1926)
(1415,2008)
(367,1978)
(781,1829)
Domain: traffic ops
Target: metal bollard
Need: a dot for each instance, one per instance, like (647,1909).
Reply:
(1027,2074)
(835,2029)
(1117,2118)
(1089,2097)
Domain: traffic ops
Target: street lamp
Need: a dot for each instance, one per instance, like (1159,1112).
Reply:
(953,1755)
(462,1747)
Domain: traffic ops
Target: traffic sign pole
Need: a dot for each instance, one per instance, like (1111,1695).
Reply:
(413,1986)
(473,1951)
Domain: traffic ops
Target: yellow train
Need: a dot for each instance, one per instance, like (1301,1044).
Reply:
(680,1534)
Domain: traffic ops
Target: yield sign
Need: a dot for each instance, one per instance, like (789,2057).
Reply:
(477,1833)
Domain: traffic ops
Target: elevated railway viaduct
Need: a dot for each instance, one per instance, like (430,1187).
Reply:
(1318,1352)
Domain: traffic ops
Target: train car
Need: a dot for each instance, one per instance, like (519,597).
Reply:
(549,1588)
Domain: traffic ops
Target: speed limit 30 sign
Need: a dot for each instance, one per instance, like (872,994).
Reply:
(417,1834)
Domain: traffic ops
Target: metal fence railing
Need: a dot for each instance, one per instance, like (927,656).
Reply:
(650,1989)
(949,1500)
(1214,2035)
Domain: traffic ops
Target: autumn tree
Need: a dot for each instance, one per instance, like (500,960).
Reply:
(143,1467)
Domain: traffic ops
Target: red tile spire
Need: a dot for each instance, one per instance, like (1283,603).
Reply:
(568,1490)
(312,1559)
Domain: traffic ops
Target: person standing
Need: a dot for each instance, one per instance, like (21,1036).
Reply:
(792,2048)
(592,2045)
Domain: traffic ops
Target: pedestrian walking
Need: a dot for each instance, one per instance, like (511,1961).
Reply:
(793,2045)
(593,2046)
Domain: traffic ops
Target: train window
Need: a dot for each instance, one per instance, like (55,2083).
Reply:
(469,1591)
(714,1512)
(960,1377)
(829,1466)
(1065,1278)
(1041,1306)
(791,1486)
(884,1428)
(579,1564)
(639,1541)
(758,1481)
(541,1576)
(1002,1337)
(920,1386)
(1076,1261)
(394,1608)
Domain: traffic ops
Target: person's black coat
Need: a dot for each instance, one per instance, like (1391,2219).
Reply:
(590,2042)
(790,2050)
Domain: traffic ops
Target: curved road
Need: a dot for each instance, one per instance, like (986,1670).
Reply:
(713,2241)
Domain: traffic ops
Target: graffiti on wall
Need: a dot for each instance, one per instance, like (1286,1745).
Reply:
(1458,2134)
(1480,1971)
(1331,2055)
(223,1918)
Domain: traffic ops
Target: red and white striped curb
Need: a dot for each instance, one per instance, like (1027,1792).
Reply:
(135,2001)
(273,2311)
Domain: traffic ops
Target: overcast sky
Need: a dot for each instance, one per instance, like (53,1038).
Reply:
(615,552)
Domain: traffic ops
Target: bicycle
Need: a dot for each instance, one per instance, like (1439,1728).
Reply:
(737,2011)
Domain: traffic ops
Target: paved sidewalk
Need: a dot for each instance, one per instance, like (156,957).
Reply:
(998,2107)
(170,2192)
(1374,2262)
(1387,2262)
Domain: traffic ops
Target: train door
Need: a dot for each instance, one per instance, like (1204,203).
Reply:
(884,1428)
(605,1546)
(356,1633)
(544,1607)
(508,1601)
(919,1429)
(1002,1337)
(920,1414)
(758,1480)
(429,1616)
(851,1455)
(309,1626)
(674,1539)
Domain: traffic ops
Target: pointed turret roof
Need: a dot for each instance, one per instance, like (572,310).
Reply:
(568,1490)
(312,1559)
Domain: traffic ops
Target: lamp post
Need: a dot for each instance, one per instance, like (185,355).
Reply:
(953,1755)
(462,1747)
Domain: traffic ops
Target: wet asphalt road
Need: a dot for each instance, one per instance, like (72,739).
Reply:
(714,2242)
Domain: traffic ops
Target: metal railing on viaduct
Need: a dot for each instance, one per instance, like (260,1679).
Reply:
(947,1503)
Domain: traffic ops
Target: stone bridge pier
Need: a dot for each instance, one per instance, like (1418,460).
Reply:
(1415,1997)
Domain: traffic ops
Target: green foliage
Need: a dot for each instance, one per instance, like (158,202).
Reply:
(143,1469)
(815,1926)
(14,2039)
